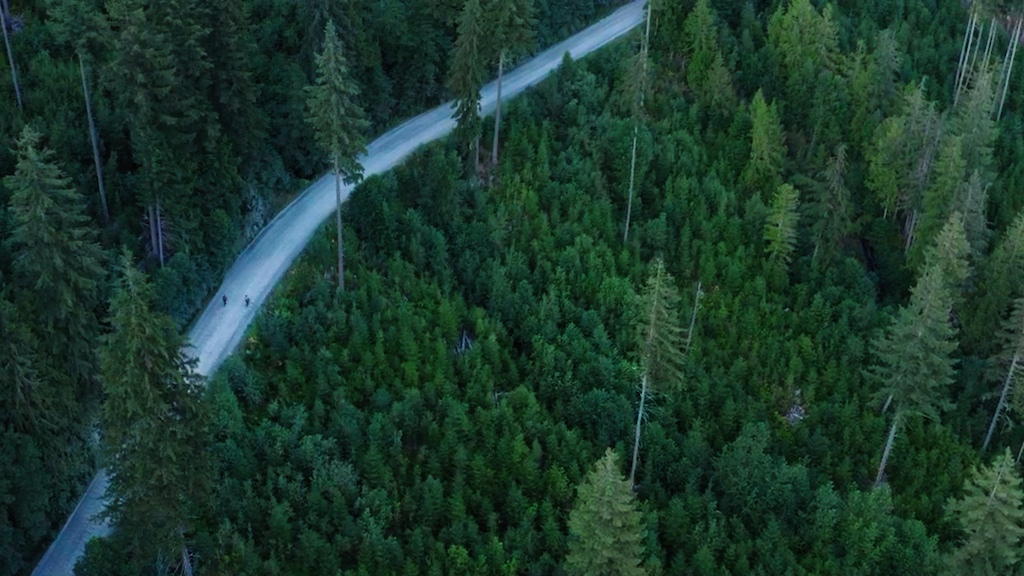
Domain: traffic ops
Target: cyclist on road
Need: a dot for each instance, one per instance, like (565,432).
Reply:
(246,300)
(224,299)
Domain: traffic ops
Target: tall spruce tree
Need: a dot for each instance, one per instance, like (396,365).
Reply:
(339,123)
(780,226)
(831,210)
(1002,275)
(154,423)
(57,262)
(83,25)
(661,346)
(914,367)
(767,150)
(1012,357)
(992,520)
(466,77)
(606,530)
(511,32)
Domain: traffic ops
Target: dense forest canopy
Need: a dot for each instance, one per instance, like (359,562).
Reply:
(745,296)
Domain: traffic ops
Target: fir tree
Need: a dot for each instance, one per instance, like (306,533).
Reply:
(510,31)
(1012,356)
(914,367)
(605,528)
(467,77)
(992,520)
(1002,276)
(831,211)
(780,226)
(339,123)
(940,196)
(154,423)
(57,261)
(766,146)
(661,345)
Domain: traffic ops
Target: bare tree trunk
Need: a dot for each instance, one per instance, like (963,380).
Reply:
(991,42)
(974,60)
(186,561)
(1014,43)
(888,448)
(476,153)
(693,316)
(636,434)
(4,16)
(963,51)
(341,245)
(1007,384)
(632,175)
(152,228)
(159,233)
(909,228)
(95,141)
(497,110)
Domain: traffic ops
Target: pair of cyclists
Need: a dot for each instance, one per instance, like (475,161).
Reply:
(224,299)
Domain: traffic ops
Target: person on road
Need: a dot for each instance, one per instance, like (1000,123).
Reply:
(246,300)
(224,299)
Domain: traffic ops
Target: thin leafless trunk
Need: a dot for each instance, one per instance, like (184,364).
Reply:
(636,434)
(159,233)
(1012,49)
(152,227)
(693,316)
(4,16)
(632,176)
(94,138)
(341,245)
(1007,384)
(963,51)
(888,448)
(497,110)
(990,44)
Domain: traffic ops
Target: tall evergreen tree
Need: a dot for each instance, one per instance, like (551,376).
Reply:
(1012,356)
(339,123)
(1002,275)
(780,226)
(606,530)
(466,77)
(992,520)
(706,72)
(511,32)
(154,423)
(831,212)
(57,261)
(763,170)
(661,346)
(940,196)
(6,28)
(81,24)
(914,367)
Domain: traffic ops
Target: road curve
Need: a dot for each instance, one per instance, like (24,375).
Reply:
(220,328)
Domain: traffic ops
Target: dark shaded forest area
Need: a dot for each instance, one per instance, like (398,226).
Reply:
(745,298)
(199,115)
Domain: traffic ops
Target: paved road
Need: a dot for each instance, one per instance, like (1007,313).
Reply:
(257,270)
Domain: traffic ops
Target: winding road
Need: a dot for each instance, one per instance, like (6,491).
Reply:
(220,329)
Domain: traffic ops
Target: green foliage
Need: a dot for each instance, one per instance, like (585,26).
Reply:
(831,208)
(660,333)
(467,73)
(991,518)
(780,225)
(605,527)
(763,170)
(334,110)
(154,425)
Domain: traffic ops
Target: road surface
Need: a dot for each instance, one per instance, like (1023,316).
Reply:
(220,329)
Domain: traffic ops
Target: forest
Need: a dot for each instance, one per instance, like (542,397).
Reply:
(740,294)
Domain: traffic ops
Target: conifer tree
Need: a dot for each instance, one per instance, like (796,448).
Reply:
(154,423)
(1003,279)
(82,24)
(831,211)
(975,125)
(5,27)
(21,397)
(57,261)
(992,520)
(467,77)
(766,146)
(661,345)
(510,31)
(914,367)
(706,72)
(1012,356)
(780,225)
(605,528)
(940,196)
(339,123)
